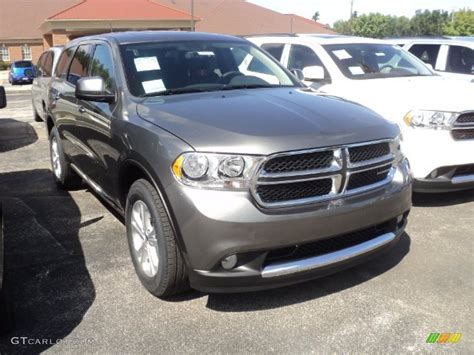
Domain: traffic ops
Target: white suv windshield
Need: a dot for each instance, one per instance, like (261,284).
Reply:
(370,60)
(169,68)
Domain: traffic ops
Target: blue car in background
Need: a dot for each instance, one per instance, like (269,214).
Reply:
(21,72)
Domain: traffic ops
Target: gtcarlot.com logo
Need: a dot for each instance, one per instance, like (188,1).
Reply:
(443,338)
(48,341)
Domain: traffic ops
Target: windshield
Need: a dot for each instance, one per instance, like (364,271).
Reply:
(368,61)
(168,68)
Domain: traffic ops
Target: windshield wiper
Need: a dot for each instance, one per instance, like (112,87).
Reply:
(248,86)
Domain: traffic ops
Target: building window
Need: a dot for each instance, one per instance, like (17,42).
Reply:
(4,54)
(26,52)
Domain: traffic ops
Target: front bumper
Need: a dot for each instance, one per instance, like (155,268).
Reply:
(215,224)
(434,155)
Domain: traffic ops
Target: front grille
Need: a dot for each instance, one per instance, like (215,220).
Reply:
(309,176)
(300,162)
(368,152)
(294,191)
(464,170)
(329,245)
(466,118)
(368,177)
(462,134)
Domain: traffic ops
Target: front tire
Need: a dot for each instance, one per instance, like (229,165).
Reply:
(64,176)
(152,242)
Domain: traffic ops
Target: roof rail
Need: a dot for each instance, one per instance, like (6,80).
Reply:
(271,35)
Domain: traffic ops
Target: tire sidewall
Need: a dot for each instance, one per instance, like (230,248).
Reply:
(158,283)
(62,159)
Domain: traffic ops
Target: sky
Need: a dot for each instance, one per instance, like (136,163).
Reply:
(333,10)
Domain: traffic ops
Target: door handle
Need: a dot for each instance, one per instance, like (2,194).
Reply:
(81,109)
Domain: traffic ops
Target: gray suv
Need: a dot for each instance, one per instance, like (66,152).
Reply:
(227,181)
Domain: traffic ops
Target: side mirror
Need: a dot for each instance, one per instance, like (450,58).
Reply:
(298,73)
(93,89)
(313,73)
(429,66)
(3,97)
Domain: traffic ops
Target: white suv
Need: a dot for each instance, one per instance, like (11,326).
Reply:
(435,114)
(453,58)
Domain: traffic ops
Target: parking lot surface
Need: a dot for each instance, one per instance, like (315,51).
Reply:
(72,281)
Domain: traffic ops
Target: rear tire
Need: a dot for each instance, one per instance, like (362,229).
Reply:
(155,253)
(64,176)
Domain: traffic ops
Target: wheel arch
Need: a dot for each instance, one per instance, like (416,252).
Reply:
(130,171)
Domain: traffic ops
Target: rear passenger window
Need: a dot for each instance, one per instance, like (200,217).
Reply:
(102,65)
(276,50)
(428,53)
(460,60)
(79,64)
(48,65)
(61,67)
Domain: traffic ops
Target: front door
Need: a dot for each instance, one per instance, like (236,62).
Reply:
(96,123)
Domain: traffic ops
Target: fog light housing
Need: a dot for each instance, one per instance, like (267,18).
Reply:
(229,262)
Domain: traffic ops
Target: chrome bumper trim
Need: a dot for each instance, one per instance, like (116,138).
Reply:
(462,179)
(292,267)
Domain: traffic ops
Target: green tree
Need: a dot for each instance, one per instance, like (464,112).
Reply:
(461,23)
(342,27)
(429,23)
(371,25)
(316,16)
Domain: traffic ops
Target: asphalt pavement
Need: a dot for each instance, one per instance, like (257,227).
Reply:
(69,274)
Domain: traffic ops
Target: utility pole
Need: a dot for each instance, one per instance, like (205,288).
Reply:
(193,27)
(352,9)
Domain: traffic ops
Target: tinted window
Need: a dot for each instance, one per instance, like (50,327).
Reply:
(276,50)
(40,63)
(428,53)
(79,64)
(23,64)
(302,57)
(62,66)
(460,60)
(48,65)
(102,65)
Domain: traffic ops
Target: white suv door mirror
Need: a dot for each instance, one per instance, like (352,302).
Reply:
(313,73)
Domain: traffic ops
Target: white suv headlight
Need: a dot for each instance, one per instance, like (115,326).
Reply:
(430,119)
(215,171)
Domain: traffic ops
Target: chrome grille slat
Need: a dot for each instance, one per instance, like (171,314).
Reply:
(297,187)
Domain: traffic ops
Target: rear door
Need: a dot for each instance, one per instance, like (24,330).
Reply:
(64,104)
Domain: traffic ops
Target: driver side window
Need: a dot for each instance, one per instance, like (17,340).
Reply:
(302,57)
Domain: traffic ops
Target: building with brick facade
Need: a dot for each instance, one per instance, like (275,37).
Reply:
(28,27)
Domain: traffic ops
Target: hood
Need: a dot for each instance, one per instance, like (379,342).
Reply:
(263,121)
(394,97)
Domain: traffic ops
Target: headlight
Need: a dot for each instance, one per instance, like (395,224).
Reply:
(220,171)
(430,119)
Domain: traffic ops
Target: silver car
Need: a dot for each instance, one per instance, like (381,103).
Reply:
(39,90)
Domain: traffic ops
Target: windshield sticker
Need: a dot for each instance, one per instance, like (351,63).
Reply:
(380,54)
(147,64)
(356,71)
(342,54)
(152,86)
